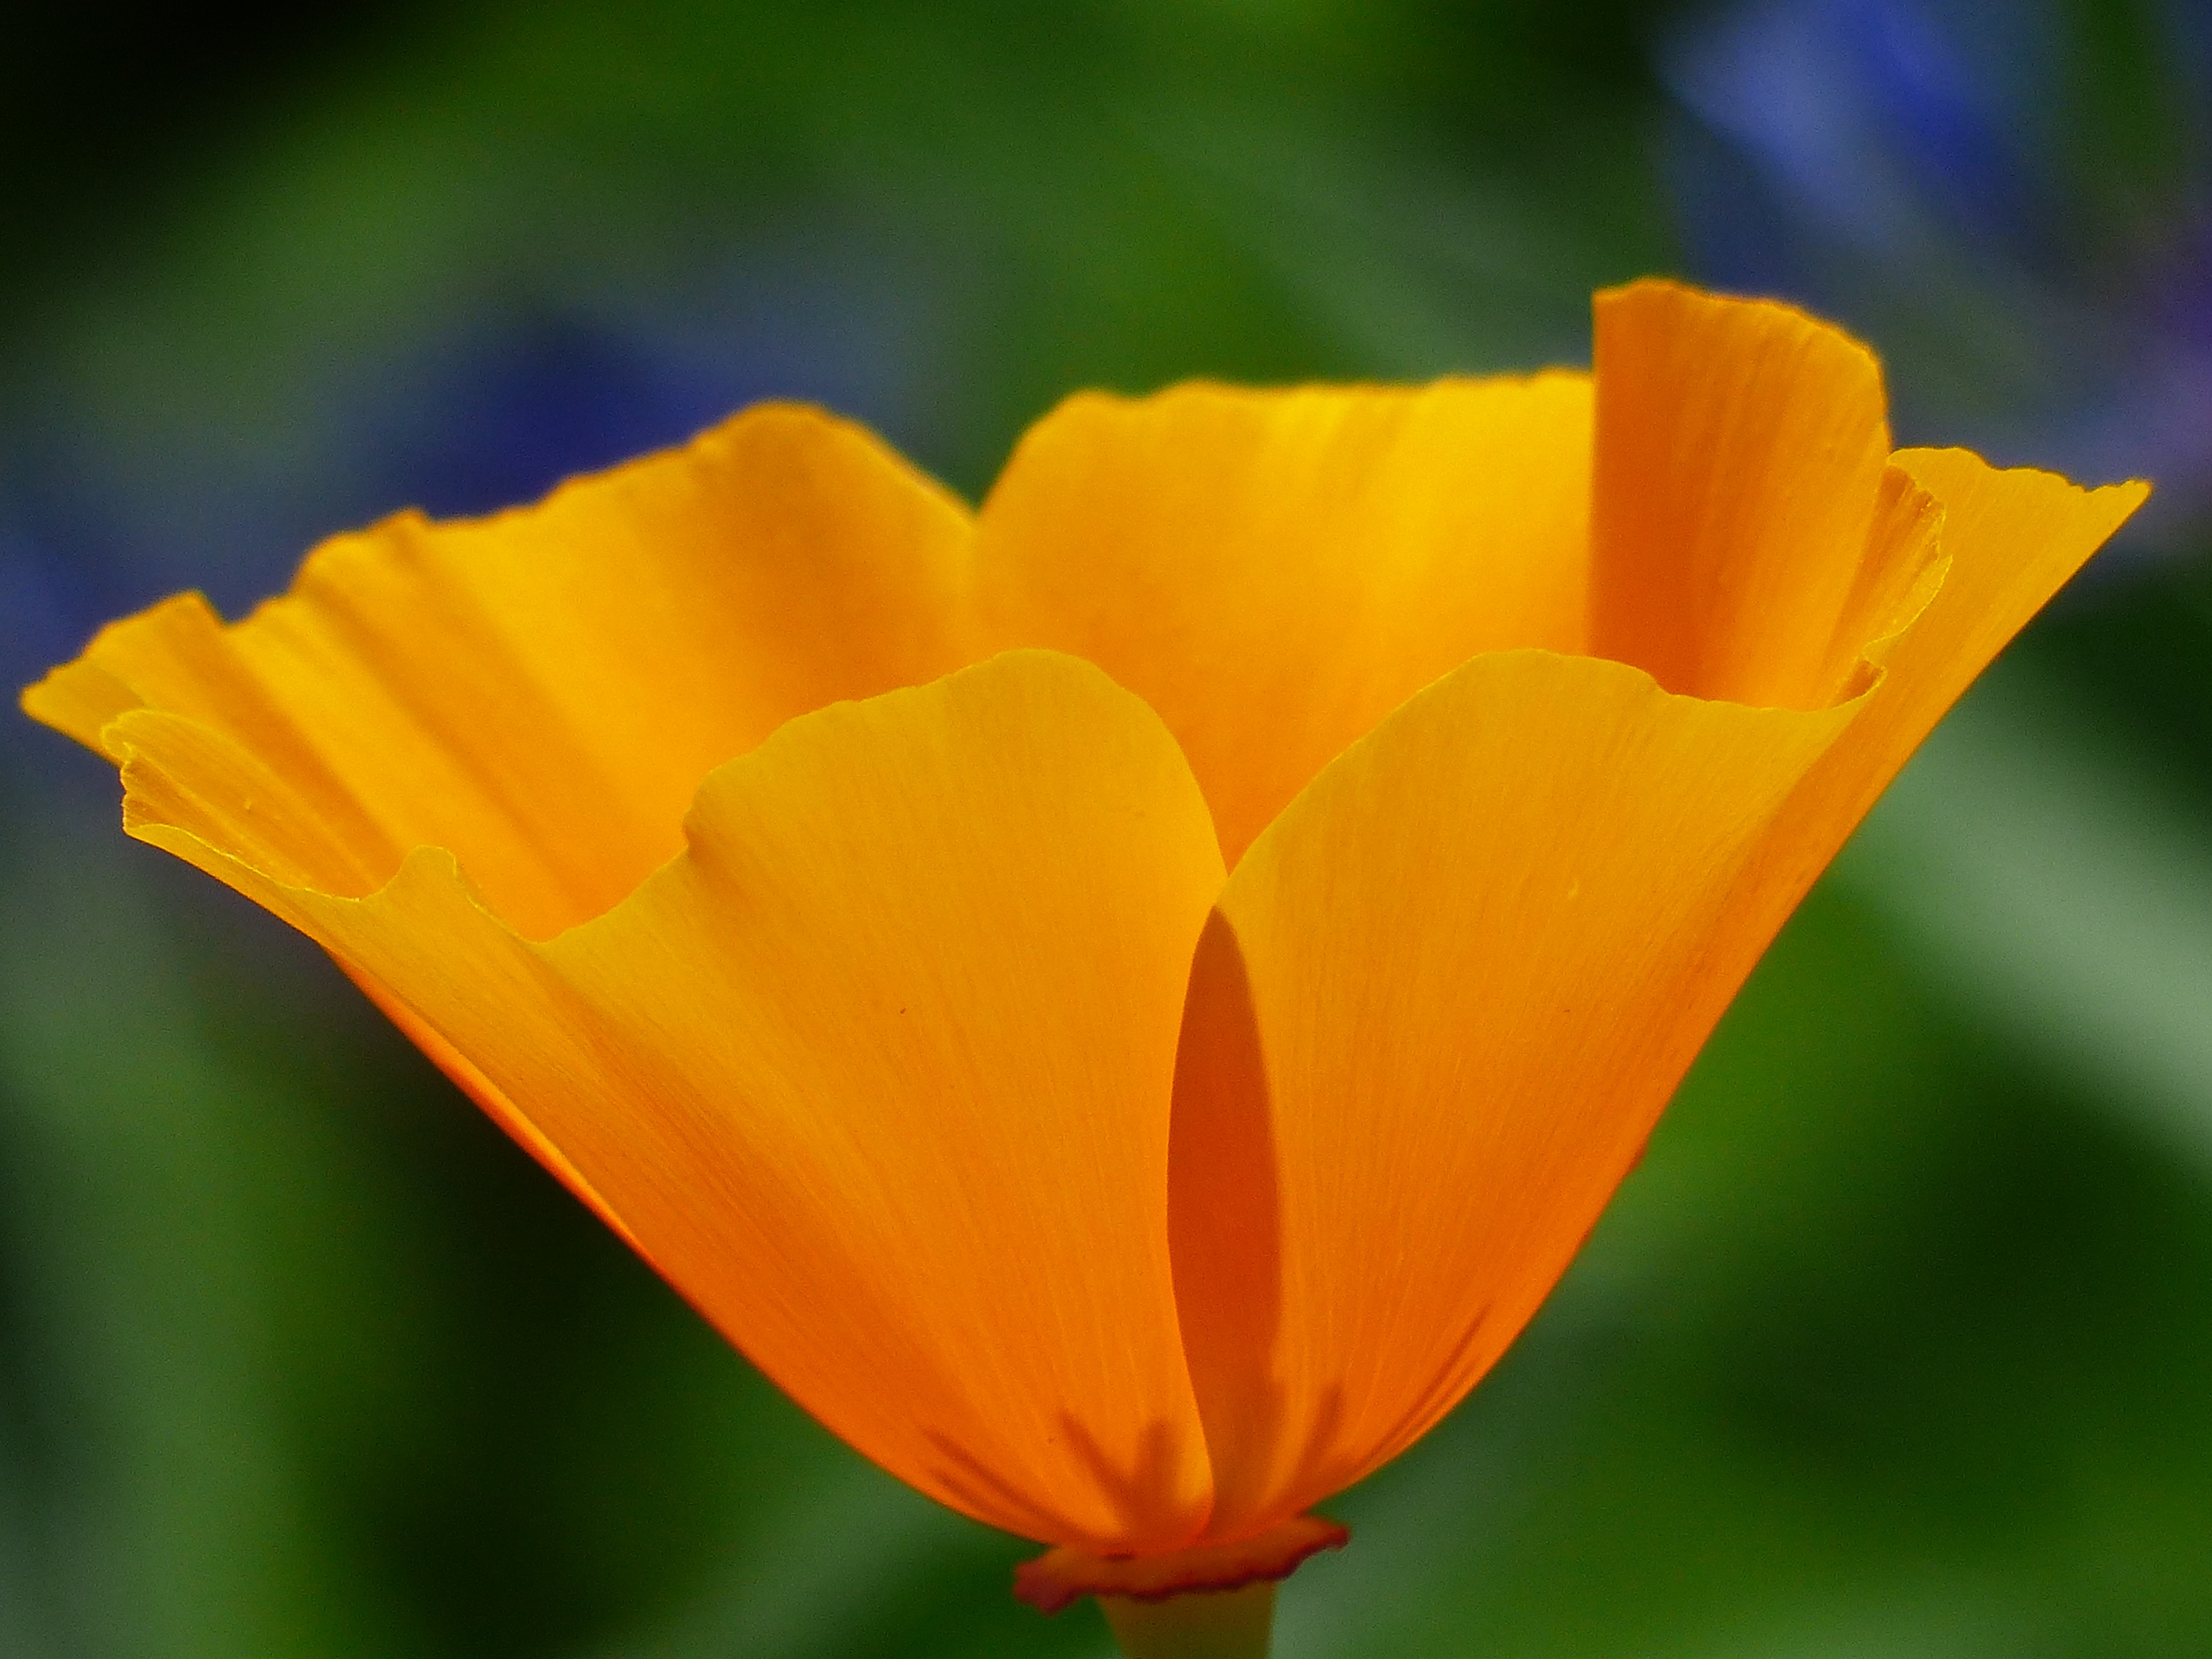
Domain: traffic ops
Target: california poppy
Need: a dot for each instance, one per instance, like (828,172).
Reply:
(1123,1002)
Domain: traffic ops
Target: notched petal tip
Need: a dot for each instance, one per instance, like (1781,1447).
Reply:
(1952,470)
(78,700)
(82,697)
(1061,1577)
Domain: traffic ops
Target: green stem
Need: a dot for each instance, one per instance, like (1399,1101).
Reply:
(1219,1625)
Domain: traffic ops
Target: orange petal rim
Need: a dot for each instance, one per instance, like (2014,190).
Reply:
(1064,1575)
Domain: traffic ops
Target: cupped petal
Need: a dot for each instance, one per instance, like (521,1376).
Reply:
(1436,1013)
(1274,571)
(2009,539)
(877,1071)
(541,692)
(1739,447)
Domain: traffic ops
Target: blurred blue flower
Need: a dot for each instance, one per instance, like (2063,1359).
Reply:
(2014,201)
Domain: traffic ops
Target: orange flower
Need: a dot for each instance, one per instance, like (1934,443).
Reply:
(1158,976)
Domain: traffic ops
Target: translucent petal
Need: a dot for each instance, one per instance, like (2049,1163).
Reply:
(1740,448)
(1463,960)
(541,692)
(877,1072)
(1275,571)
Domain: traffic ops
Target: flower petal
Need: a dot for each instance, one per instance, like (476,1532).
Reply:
(1460,958)
(1275,571)
(877,1071)
(541,692)
(1740,444)
(2009,539)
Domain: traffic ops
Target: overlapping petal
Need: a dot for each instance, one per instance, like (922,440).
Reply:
(1740,448)
(876,1071)
(2008,540)
(1459,954)
(541,692)
(1446,994)
(1275,571)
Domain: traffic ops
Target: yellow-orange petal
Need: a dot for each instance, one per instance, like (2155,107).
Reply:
(1462,953)
(877,1071)
(2007,541)
(1740,447)
(1275,571)
(542,691)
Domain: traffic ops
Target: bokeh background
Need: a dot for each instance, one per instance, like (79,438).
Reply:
(1899,1343)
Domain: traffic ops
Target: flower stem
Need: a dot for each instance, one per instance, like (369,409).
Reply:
(1220,1625)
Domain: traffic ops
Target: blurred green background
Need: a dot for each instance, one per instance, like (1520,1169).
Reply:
(1899,1343)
